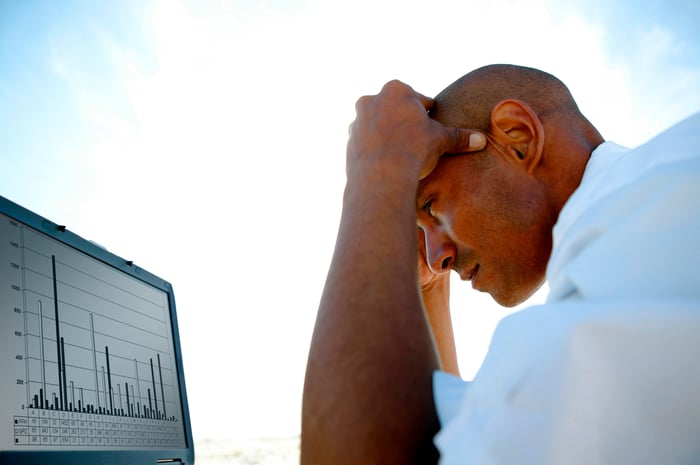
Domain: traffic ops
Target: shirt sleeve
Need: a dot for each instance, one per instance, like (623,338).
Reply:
(579,383)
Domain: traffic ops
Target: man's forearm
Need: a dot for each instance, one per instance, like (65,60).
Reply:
(368,391)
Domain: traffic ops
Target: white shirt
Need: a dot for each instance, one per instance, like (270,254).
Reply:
(608,370)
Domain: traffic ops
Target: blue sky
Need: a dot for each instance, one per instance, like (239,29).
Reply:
(205,141)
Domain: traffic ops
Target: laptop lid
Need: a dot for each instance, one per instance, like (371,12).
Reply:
(90,353)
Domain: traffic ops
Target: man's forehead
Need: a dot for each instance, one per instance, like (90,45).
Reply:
(450,169)
(428,182)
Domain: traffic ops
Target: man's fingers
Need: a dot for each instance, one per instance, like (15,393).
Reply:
(397,86)
(396,123)
(426,101)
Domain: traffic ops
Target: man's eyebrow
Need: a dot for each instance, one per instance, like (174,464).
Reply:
(419,191)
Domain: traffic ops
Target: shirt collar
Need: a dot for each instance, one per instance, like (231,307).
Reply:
(592,187)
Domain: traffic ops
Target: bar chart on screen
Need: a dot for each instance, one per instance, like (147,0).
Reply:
(91,354)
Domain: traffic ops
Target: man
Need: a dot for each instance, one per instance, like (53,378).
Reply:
(605,372)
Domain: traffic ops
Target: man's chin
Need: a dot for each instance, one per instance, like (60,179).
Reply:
(511,298)
(508,301)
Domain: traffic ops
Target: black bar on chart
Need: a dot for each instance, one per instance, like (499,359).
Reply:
(109,380)
(64,393)
(162,391)
(128,404)
(155,397)
(58,332)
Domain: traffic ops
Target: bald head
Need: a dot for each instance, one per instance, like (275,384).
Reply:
(491,212)
(567,138)
(468,101)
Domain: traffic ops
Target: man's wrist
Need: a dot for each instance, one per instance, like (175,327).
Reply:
(438,285)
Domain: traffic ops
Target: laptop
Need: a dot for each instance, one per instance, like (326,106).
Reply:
(90,361)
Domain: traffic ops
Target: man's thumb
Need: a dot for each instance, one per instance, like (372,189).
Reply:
(465,140)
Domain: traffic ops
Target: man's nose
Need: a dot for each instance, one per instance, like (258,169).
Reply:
(440,251)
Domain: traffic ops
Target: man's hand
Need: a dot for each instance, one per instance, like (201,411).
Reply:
(393,129)
(435,290)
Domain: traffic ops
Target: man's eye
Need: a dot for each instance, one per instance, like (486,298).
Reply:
(427,207)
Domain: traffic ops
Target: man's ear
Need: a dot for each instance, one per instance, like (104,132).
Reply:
(517,129)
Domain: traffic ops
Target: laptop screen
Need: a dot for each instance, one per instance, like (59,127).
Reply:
(90,358)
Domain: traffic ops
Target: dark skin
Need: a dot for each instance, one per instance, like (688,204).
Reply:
(344,419)
(380,328)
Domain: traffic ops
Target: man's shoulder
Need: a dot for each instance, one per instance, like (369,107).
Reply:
(621,166)
(613,167)
(678,143)
(634,229)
